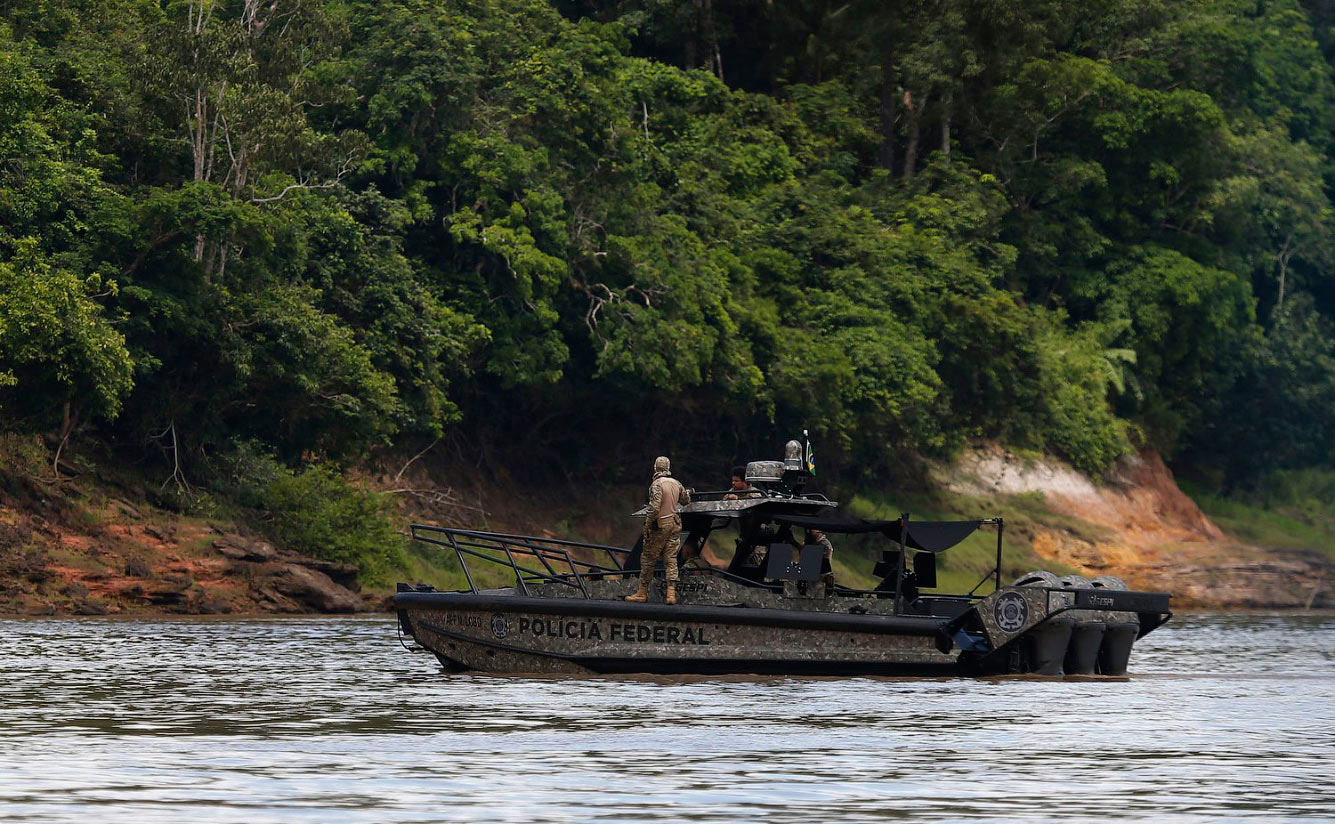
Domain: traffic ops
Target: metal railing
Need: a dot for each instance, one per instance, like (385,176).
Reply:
(558,564)
(535,560)
(765,492)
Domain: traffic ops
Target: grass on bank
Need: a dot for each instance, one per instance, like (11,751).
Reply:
(1288,510)
(424,564)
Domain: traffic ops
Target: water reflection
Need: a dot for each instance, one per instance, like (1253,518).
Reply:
(1228,717)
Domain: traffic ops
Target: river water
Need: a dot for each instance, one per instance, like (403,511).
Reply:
(1226,719)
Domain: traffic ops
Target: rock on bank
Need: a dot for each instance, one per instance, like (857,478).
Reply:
(72,551)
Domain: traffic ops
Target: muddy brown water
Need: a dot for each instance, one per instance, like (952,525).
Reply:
(1227,718)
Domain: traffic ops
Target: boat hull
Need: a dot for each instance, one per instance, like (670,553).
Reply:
(517,634)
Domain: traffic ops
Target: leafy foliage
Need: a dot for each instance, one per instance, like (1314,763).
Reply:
(319,512)
(326,226)
(55,343)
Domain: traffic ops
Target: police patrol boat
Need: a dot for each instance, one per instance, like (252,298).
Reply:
(774,609)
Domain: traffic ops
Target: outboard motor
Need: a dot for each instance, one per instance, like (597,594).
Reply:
(1121,631)
(1082,654)
(1046,643)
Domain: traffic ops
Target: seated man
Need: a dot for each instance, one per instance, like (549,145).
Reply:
(756,557)
(692,553)
(749,561)
(814,537)
(740,488)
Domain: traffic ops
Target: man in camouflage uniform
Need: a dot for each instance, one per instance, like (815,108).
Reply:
(816,537)
(662,531)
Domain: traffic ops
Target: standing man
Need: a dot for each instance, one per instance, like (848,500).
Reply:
(662,531)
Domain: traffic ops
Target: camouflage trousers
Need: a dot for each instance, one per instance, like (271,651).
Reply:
(660,542)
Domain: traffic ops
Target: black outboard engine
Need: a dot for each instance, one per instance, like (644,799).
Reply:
(1046,643)
(1082,653)
(1122,629)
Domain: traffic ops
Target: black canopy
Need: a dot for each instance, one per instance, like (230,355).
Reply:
(926,536)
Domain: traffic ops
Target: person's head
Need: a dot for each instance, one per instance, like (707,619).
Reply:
(814,535)
(739,477)
(662,464)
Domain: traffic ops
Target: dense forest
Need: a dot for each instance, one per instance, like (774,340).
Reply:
(284,233)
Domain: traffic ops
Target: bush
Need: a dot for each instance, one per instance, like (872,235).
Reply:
(23,454)
(1306,494)
(321,513)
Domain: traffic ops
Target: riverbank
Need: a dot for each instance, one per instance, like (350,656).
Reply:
(1138,524)
(97,544)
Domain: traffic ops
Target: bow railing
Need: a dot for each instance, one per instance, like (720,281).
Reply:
(532,560)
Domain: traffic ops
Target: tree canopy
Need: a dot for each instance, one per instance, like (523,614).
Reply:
(323,226)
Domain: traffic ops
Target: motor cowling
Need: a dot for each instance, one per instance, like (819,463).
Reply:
(1082,652)
(1121,629)
(1045,645)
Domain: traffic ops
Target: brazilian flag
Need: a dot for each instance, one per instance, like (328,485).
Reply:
(811,459)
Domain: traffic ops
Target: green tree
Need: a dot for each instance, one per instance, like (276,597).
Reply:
(58,352)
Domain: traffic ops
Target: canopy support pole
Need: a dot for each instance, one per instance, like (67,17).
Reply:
(1001,527)
(899,567)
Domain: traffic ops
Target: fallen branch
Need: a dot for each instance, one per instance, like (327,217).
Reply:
(404,468)
(434,496)
(177,475)
(66,427)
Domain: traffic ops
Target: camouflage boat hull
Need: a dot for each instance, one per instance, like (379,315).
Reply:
(714,631)
(517,634)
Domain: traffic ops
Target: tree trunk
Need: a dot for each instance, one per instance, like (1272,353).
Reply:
(222,259)
(1283,260)
(946,108)
(885,155)
(771,64)
(66,427)
(914,112)
(713,58)
(197,150)
(688,58)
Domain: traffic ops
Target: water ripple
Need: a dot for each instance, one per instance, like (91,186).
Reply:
(1227,718)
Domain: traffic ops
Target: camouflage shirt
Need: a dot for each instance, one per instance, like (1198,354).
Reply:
(665,494)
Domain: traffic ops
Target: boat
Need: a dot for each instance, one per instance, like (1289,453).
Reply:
(540,605)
